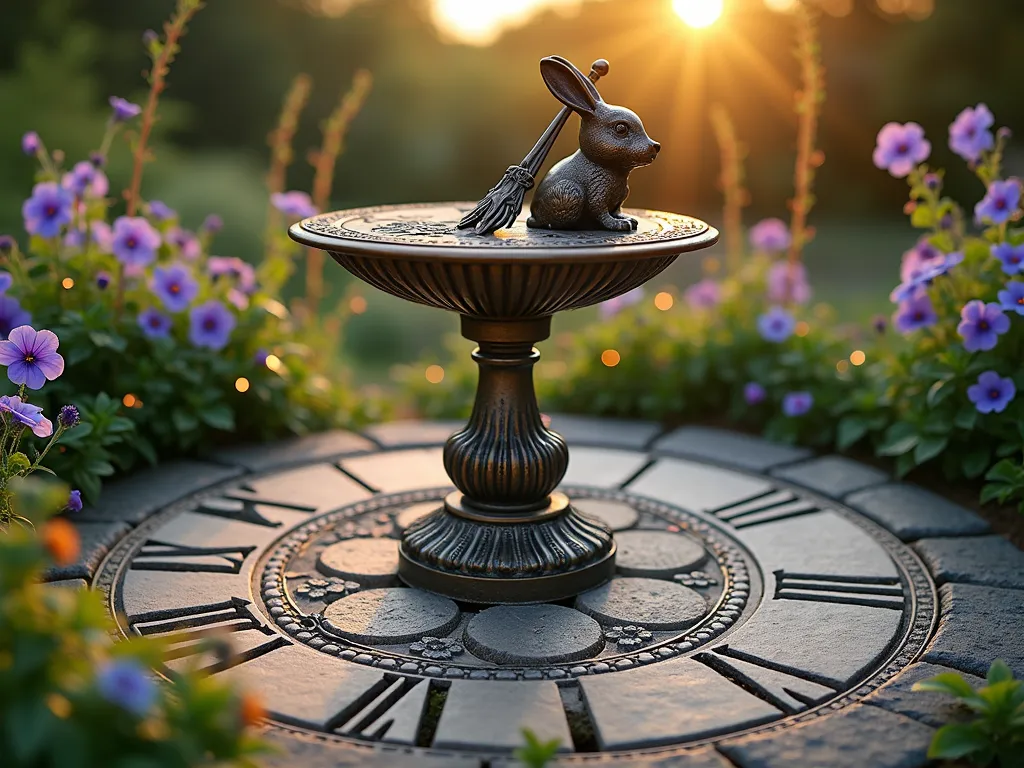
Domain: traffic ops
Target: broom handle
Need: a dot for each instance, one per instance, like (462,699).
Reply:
(536,156)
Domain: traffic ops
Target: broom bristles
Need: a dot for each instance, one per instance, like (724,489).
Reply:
(501,205)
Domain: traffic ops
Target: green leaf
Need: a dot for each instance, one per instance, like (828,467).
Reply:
(957,740)
(27,724)
(219,417)
(849,430)
(108,340)
(940,390)
(975,462)
(184,421)
(1006,471)
(100,468)
(996,492)
(966,417)
(928,448)
(899,446)
(923,217)
(904,464)
(948,682)
(999,672)
(145,448)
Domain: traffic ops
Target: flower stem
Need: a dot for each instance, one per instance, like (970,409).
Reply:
(735,195)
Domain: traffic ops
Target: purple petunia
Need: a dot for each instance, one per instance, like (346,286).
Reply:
(899,148)
(47,210)
(295,204)
(7,243)
(85,180)
(981,325)
(1012,299)
(16,411)
(914,313)
(74,502)
(128,685)
(102,280)
(776,325)
(161,211)
(797,403)
(969,133)
(6,281)
(124,110)
(1000,202)
(154,323)
(992,393)
(31,356)
(186,242)
(212,224)
(787,282)
(754,393)
(174,286)
(11,315)
(608,309)
(1011,257)
(704,294)
(135,241)
(243,272)
(922,275)
(210,325)
(770,235)
(31,143)
(922,257)
(880,324)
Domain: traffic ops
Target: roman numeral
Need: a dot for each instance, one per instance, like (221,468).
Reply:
(160,556)
(764,507)
(195,630)
(391,711)
(870,591)
(241,504)
(789,690)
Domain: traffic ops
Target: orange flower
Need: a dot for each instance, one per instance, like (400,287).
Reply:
(251,709)
(61,540)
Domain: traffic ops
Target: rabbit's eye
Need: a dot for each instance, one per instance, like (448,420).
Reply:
(621,128)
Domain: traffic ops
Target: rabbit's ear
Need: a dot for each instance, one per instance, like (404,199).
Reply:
(567,85)
(586,80)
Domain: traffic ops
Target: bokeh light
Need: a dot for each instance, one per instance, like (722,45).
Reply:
(481,22)
(802,328)
(68,283)
(698,13)
(434,374)
(610,357)
(129,400)
(357,305)
(273,363)
(857,357)
(242,384)
(664,301)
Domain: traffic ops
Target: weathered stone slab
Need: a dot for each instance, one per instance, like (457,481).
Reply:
(139,495)
(74,584)
(320,487)
(699,757)
(300,450)
(856,737)
(834,476)
(97,538)
(730,448)
(934,709)
(491,716)
(292,749)
(202,530)
(371,562)
(696,487)
(657,554)
(405,434)
(617,515)
(647,603)
(533,634)
(991,561)
(602,467)
(394,471)
(608,433)
(146,591)
(977,626)
(394,615)
(633,709)
(914,513)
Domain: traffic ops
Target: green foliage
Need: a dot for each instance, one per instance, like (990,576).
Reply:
(536,753)
(56,647)
(996,734)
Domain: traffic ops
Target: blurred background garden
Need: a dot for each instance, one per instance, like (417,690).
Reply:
(456,98)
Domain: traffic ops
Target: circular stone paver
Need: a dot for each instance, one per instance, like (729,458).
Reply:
(410,515)
(647,603)
(617,515)
(388,616)
(533,634)
(371,562)
(656,554)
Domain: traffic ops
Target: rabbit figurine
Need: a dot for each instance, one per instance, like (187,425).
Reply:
(586,190)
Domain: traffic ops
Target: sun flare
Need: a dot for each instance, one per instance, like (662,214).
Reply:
(698,13)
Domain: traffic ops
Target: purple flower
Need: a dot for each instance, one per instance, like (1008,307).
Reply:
(932,181)
(7,243)
(211,325)
(74,503)
(295,204)
(212,224)
(149,37)
(154,323)
(69,417)
(704,294)
(1012,299)
(981,325)
(98,160)
(174,286)
(85,179)
(922,275)
(47,210)
(1000,202)
(608,309)
(788,282)
(992,393)
(899,148)
(11,315)
(1011,256)
(123,110)
(26,414)
(797,403)
(776,325)
(102,280)
(31,356)
(917,260)
(880,324)
(260,358)
(161,211)
(770,235)
(186,242)
(225,266)
(239,299)
(135,241)
(969,133)
(754,393)
(128,685)
(31,143)
(5,281)
(914,313)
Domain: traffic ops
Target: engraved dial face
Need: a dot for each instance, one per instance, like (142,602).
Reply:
(739,604)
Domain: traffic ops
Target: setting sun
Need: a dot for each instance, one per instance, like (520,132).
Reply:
(698,13)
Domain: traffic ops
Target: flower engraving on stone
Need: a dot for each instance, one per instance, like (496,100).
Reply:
(629,637)
(695,579)
(328,590)
(436,647)
(416,228)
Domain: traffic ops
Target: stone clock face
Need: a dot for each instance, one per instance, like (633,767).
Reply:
(740,604)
